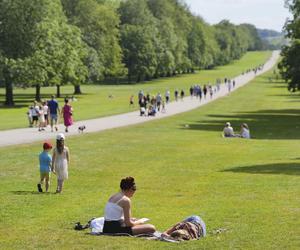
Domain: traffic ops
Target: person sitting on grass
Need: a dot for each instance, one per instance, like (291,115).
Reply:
(228,130)
(118,212)
(245,132)
(151,111)
(45,160)
(192,228)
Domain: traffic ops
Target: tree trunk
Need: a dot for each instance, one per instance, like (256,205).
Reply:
(129,78)
(9,97)
(57,91)
(77,90)
(38,92)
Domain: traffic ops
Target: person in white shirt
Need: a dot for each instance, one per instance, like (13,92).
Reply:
(46,112)
(118,212)
(245,132)
(228,130)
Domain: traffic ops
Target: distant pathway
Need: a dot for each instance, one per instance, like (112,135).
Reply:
(29,135)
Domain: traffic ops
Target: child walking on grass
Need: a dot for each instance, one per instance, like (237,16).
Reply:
(45,160)
(60,162)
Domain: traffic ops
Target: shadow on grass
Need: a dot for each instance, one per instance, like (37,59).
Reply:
(28,193)
(263,124)
(278,168)
(27,99)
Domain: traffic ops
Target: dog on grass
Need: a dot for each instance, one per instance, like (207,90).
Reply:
(81,129)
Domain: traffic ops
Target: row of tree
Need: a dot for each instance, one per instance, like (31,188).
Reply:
(57,42)
(289,66)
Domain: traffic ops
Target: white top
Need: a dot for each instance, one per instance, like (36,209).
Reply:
(45,108)
(228,131)
(113,212)
(35,110)
(245,133)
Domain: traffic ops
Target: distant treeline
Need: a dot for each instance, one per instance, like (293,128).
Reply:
(273,40)
(57,42)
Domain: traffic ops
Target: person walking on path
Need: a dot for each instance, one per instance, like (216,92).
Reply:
(176,95)
(60,162)
(53,111)
(29,115)
(167,96)
(182,94)
(45,160)
(131,101)
(192,91)
(158,101)
(204,91)
(35,114)
(41,118)
(46,113)
(67,113)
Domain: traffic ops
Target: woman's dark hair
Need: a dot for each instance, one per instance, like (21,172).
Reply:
(60,144)
(128,183)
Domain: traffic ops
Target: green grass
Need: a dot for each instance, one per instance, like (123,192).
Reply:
(95,102)
(249,187)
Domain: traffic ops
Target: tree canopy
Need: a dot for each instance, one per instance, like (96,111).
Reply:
(289,66)
(57,42)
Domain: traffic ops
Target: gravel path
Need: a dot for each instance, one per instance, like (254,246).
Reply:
(29,135)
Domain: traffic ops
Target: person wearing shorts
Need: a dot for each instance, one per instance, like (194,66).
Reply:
(53,111)
(45,160)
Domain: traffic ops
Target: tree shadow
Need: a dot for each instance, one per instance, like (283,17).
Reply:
(263,124)
(277,168)
(23,100)
(29,193)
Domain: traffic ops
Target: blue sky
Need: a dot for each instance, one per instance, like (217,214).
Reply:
(269,14)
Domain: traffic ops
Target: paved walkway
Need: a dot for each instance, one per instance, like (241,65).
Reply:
(29,135)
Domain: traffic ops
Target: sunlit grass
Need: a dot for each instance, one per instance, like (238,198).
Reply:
(249,187)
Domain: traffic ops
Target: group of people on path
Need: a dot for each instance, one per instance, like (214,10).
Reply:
(57,163)
(47,112)
(229,132)
(150,105)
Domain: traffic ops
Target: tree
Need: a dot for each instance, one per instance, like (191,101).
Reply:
(289,66)
(138,35)
(99,25)
(38,45)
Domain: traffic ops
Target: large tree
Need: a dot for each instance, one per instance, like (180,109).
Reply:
(99,25)
(138,39)
(38,45)
(289,66)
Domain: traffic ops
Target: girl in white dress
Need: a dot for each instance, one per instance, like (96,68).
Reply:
(60,162)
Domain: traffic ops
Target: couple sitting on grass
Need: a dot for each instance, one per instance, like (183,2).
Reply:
(244,133)
(118,218)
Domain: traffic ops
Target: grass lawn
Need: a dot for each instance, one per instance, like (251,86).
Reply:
(95,102)
(251,188)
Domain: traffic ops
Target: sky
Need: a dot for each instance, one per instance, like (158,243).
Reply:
(266,14)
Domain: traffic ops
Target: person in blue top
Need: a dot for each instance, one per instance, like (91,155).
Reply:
(53,111)
(45,160)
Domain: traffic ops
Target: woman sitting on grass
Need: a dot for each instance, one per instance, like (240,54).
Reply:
(245,132)
(118,212)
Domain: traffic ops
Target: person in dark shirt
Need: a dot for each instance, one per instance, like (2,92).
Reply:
(53,111)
